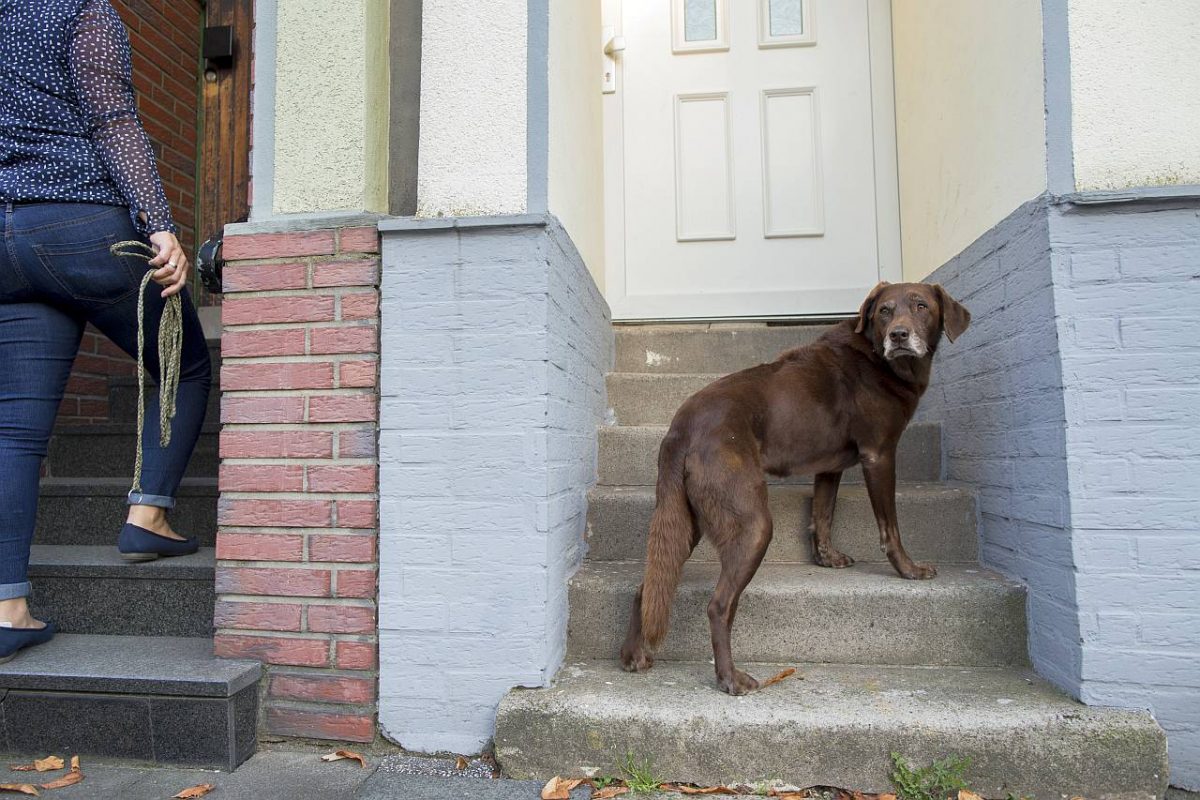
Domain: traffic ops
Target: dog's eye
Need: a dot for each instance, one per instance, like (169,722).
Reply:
(885,311)
(922,307)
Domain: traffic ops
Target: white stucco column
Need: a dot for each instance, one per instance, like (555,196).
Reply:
(474,111)
(323,70)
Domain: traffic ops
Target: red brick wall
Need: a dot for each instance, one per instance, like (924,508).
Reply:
(296,547)
(165,38)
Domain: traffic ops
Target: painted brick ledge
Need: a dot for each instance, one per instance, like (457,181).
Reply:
(298,514)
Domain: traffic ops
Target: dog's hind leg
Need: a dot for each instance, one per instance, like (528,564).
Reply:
(825,487)
(742,546)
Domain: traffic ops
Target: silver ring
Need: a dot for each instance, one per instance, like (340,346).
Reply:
(172,264)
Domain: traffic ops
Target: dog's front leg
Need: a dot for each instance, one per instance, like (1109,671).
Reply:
(879,470)
(825,487)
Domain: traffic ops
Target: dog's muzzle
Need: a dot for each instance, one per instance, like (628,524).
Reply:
(912,347)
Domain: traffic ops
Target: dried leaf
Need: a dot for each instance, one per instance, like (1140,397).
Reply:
(74,763)
(787,673)
(888,796)
(461,763)
(338,755)
(965,794)
(559,788)
(194,791)
(609,792)
(792,796)
(20,788)
(46,764)
(70,779)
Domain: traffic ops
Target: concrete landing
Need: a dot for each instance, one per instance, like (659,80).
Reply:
(836,726)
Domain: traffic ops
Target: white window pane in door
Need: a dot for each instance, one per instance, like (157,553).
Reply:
(699,20)
(786,17)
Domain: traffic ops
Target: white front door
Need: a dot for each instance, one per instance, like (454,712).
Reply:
(750,163)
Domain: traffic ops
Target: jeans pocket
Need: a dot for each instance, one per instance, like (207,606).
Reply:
(87,271)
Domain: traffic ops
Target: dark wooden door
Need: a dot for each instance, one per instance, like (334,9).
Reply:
(224,184)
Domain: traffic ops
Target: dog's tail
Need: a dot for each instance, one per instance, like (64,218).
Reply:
(671,531)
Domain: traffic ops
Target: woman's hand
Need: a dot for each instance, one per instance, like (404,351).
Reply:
(171,261)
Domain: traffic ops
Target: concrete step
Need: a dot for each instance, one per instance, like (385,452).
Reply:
(90,511)
(91,589)
(146,698)
(799,612)
(107,451)
(629,456)
(831,725)
(937,523)
(707,348)
(647,398)
(122,398)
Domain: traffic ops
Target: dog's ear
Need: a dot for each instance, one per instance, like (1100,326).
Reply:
(955,317)
(868,307)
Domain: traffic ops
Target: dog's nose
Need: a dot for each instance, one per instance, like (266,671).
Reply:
(898,335)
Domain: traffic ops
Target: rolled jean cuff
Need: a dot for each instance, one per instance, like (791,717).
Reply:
(10,591)
(143,499)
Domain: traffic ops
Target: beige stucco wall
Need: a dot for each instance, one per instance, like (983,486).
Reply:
(331,106)
(576,166)
(970,121)
(1135,92)
(473,108)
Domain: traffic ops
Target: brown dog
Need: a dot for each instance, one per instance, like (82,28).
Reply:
(819,409)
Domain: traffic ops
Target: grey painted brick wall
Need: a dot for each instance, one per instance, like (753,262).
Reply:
(495,342)
(1127,297)
(998,394)
(1073,406)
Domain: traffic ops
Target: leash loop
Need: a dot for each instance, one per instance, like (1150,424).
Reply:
(170,355)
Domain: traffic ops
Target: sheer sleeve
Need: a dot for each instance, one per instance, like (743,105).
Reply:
(100,67)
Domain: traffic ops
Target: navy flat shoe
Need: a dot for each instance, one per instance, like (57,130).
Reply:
(13,640)
(138,544)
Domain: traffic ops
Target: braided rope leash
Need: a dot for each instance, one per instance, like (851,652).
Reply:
(170,354)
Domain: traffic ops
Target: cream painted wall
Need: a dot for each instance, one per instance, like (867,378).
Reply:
(576,168)
(473,108)
(1135,92)
(970,120)
(331,106)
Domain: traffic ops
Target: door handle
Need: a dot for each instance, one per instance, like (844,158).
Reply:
(611,44)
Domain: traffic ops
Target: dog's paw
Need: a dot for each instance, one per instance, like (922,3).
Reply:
(834,559)
(740,684)
(920,572)
(636,661)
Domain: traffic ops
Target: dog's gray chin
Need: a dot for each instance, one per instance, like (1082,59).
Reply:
(901,352)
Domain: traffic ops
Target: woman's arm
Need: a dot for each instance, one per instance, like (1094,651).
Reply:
(99,60)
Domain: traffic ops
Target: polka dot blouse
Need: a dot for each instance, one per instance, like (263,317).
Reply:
(69,130)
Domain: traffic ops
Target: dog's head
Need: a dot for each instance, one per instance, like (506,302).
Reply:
(906,320)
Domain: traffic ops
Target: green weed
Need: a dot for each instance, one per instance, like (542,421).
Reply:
(941,780)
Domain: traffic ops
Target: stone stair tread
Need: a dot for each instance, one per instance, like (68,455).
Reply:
(705,347)
(937,522)
(143,665)
(117,485)
(790,578)
(628,455)
(103,561)
(865,614)
(833,725)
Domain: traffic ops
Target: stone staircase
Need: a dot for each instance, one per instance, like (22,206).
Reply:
(926,669)
(131,675)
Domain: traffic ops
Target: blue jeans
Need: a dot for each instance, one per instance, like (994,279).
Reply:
(57,275)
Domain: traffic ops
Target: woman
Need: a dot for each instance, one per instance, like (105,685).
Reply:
(77,175)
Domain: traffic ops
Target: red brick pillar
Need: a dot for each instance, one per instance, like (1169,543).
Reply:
(296,547)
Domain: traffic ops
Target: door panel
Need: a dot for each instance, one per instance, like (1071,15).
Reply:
(746,146)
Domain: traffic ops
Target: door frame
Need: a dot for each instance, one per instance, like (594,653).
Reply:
(649,308)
